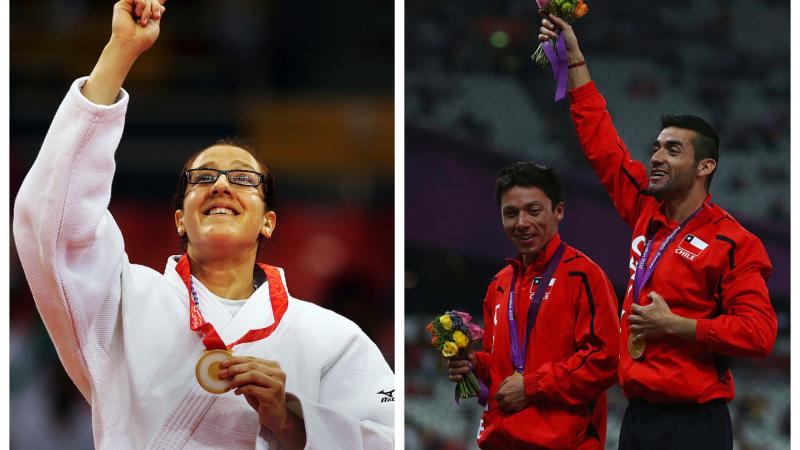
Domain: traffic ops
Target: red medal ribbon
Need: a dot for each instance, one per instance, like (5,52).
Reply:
(277,297)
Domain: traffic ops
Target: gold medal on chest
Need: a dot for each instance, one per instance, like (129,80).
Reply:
(207,371)
(636,347)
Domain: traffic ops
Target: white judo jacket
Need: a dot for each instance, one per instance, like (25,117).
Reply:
(122,330)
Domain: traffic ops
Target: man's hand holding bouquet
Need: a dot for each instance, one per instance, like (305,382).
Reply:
(452,333)
(553,52)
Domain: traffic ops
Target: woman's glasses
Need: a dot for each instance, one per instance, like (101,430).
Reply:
(240,177)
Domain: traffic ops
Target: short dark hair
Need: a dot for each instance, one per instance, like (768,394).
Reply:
(268,187)
(529,174)
(706,141)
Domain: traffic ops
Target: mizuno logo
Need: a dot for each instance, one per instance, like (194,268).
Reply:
(389,396)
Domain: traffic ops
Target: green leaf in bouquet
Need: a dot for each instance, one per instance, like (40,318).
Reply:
(567,9)
(539,57)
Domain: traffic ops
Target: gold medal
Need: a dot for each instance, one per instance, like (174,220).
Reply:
(636,347)
(207,371)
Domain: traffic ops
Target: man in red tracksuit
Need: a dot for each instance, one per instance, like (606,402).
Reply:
(697,294)
(546,391)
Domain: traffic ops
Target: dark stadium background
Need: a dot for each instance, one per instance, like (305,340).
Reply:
(475,102)
(310,84)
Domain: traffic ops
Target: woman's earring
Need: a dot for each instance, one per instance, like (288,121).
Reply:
(180,231)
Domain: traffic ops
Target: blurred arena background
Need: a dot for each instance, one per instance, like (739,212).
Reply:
(475,102)
(311,85)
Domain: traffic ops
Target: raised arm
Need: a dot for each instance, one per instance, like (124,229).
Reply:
(578,74)
(625,179)
(69,245)
(134,28)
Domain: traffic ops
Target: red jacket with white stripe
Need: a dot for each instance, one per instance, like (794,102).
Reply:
(714,271)
(571,359)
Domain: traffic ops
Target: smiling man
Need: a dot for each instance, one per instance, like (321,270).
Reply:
(697,294)
(551,337)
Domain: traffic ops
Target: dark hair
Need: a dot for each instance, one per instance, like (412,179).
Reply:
(528,174)
(268,187)
(706,141)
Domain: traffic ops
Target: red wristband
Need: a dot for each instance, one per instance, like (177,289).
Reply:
(577,64)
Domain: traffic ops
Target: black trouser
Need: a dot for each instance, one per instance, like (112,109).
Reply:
(682,426)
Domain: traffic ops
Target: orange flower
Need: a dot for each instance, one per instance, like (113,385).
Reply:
(434,341)
(430,328)
(581,9)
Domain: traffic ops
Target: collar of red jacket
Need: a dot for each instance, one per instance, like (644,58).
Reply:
(660,219)
(541,258)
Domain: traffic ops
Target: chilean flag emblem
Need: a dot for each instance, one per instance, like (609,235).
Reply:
(690,247)
(536,282)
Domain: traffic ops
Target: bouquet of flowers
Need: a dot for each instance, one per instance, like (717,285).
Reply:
(569,10)
(452,333)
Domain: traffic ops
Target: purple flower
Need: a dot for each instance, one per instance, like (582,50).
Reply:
(542,3)
(475,332)
(465,317)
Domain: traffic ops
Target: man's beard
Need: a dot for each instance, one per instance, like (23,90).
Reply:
(678,186)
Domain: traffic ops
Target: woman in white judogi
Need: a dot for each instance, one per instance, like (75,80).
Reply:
(130,338)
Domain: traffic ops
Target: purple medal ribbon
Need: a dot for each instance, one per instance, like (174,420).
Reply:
(558,62)
(642,275)
(517,354)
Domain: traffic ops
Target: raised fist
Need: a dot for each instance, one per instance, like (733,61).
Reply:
(136,23)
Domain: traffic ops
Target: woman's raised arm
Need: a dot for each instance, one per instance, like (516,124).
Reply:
(134,29)
(69,245)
